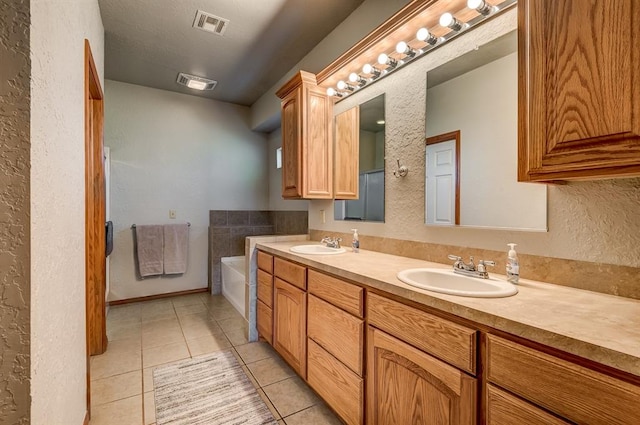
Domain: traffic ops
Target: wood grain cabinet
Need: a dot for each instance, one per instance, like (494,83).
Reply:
(290,314)
(579,88)
(347,158)
(307,148)
(264,307)
(567,389)
(408,386)
(335,341)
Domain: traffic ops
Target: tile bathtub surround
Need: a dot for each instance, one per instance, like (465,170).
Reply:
(228,230)
(122,390)
(598,277)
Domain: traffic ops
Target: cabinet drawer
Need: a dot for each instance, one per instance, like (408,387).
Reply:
(338,332)
(265,262)
(342,389)
(290,272)
(265,322)
(574,392)
(265,288)
(341,294)
(453,343)
(503,408)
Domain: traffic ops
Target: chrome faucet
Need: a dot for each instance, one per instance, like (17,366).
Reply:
(470,268)
(331,242)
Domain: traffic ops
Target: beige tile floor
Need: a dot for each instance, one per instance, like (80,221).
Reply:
(152,333)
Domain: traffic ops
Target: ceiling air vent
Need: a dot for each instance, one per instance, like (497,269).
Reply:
(194,82)
(210,23)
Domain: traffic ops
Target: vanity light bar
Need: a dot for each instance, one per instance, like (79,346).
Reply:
(447,20)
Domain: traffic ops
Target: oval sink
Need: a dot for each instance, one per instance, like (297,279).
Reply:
(316,249)
(447,282)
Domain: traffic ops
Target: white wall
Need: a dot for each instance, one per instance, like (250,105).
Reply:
(58,348)
(276,201)
(590,221)
(171,151)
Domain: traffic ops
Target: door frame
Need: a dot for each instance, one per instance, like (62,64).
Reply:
(95,261)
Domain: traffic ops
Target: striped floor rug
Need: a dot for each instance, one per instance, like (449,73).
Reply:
(211,390)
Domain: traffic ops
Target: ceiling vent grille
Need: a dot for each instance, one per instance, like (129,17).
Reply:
(210,23)
(194,82)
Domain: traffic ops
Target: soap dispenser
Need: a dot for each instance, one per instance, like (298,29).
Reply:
(513,266)
(355,242)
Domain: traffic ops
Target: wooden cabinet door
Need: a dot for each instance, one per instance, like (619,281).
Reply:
(289,325)
(317,146)
(579,88)
(264,321)
(347,158)
(291,149)
(408,386)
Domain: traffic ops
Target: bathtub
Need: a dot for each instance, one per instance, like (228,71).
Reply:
(233,281)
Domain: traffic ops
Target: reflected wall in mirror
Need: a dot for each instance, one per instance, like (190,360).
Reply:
(370,204)
(477,94)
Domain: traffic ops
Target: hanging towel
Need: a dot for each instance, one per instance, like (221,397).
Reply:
(149,243)
(176,246)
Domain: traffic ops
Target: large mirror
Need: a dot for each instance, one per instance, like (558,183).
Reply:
(471,144)
(370,204)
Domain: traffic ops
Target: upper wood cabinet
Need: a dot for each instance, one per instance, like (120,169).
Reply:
(347,146)
(307,148)
(579,88)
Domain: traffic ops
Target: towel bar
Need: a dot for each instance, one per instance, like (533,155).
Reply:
(133,226)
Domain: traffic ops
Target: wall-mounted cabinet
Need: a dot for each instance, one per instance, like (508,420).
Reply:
(347,147)
(307,143)
(579,87)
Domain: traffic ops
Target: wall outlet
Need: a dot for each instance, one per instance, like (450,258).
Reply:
(172,214)
(323,217)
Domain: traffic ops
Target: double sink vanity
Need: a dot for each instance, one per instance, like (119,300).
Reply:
(381,351)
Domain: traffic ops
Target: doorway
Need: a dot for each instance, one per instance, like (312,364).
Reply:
(95,261)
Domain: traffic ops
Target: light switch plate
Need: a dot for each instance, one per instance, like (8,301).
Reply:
(172,213)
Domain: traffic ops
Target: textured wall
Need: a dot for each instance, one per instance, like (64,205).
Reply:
(58,336)
(15,70)
(591,221)
(171,151)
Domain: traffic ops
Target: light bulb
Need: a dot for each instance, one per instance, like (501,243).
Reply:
(372,70)
(404,49)
(448,20)
(481,6)
(198,85)
(344,86)
(331,91)
(423,34)
(384,59)
(353,77)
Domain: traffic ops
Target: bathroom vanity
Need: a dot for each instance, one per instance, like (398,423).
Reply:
(381,352)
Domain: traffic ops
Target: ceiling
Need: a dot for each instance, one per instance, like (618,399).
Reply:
(148,42)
